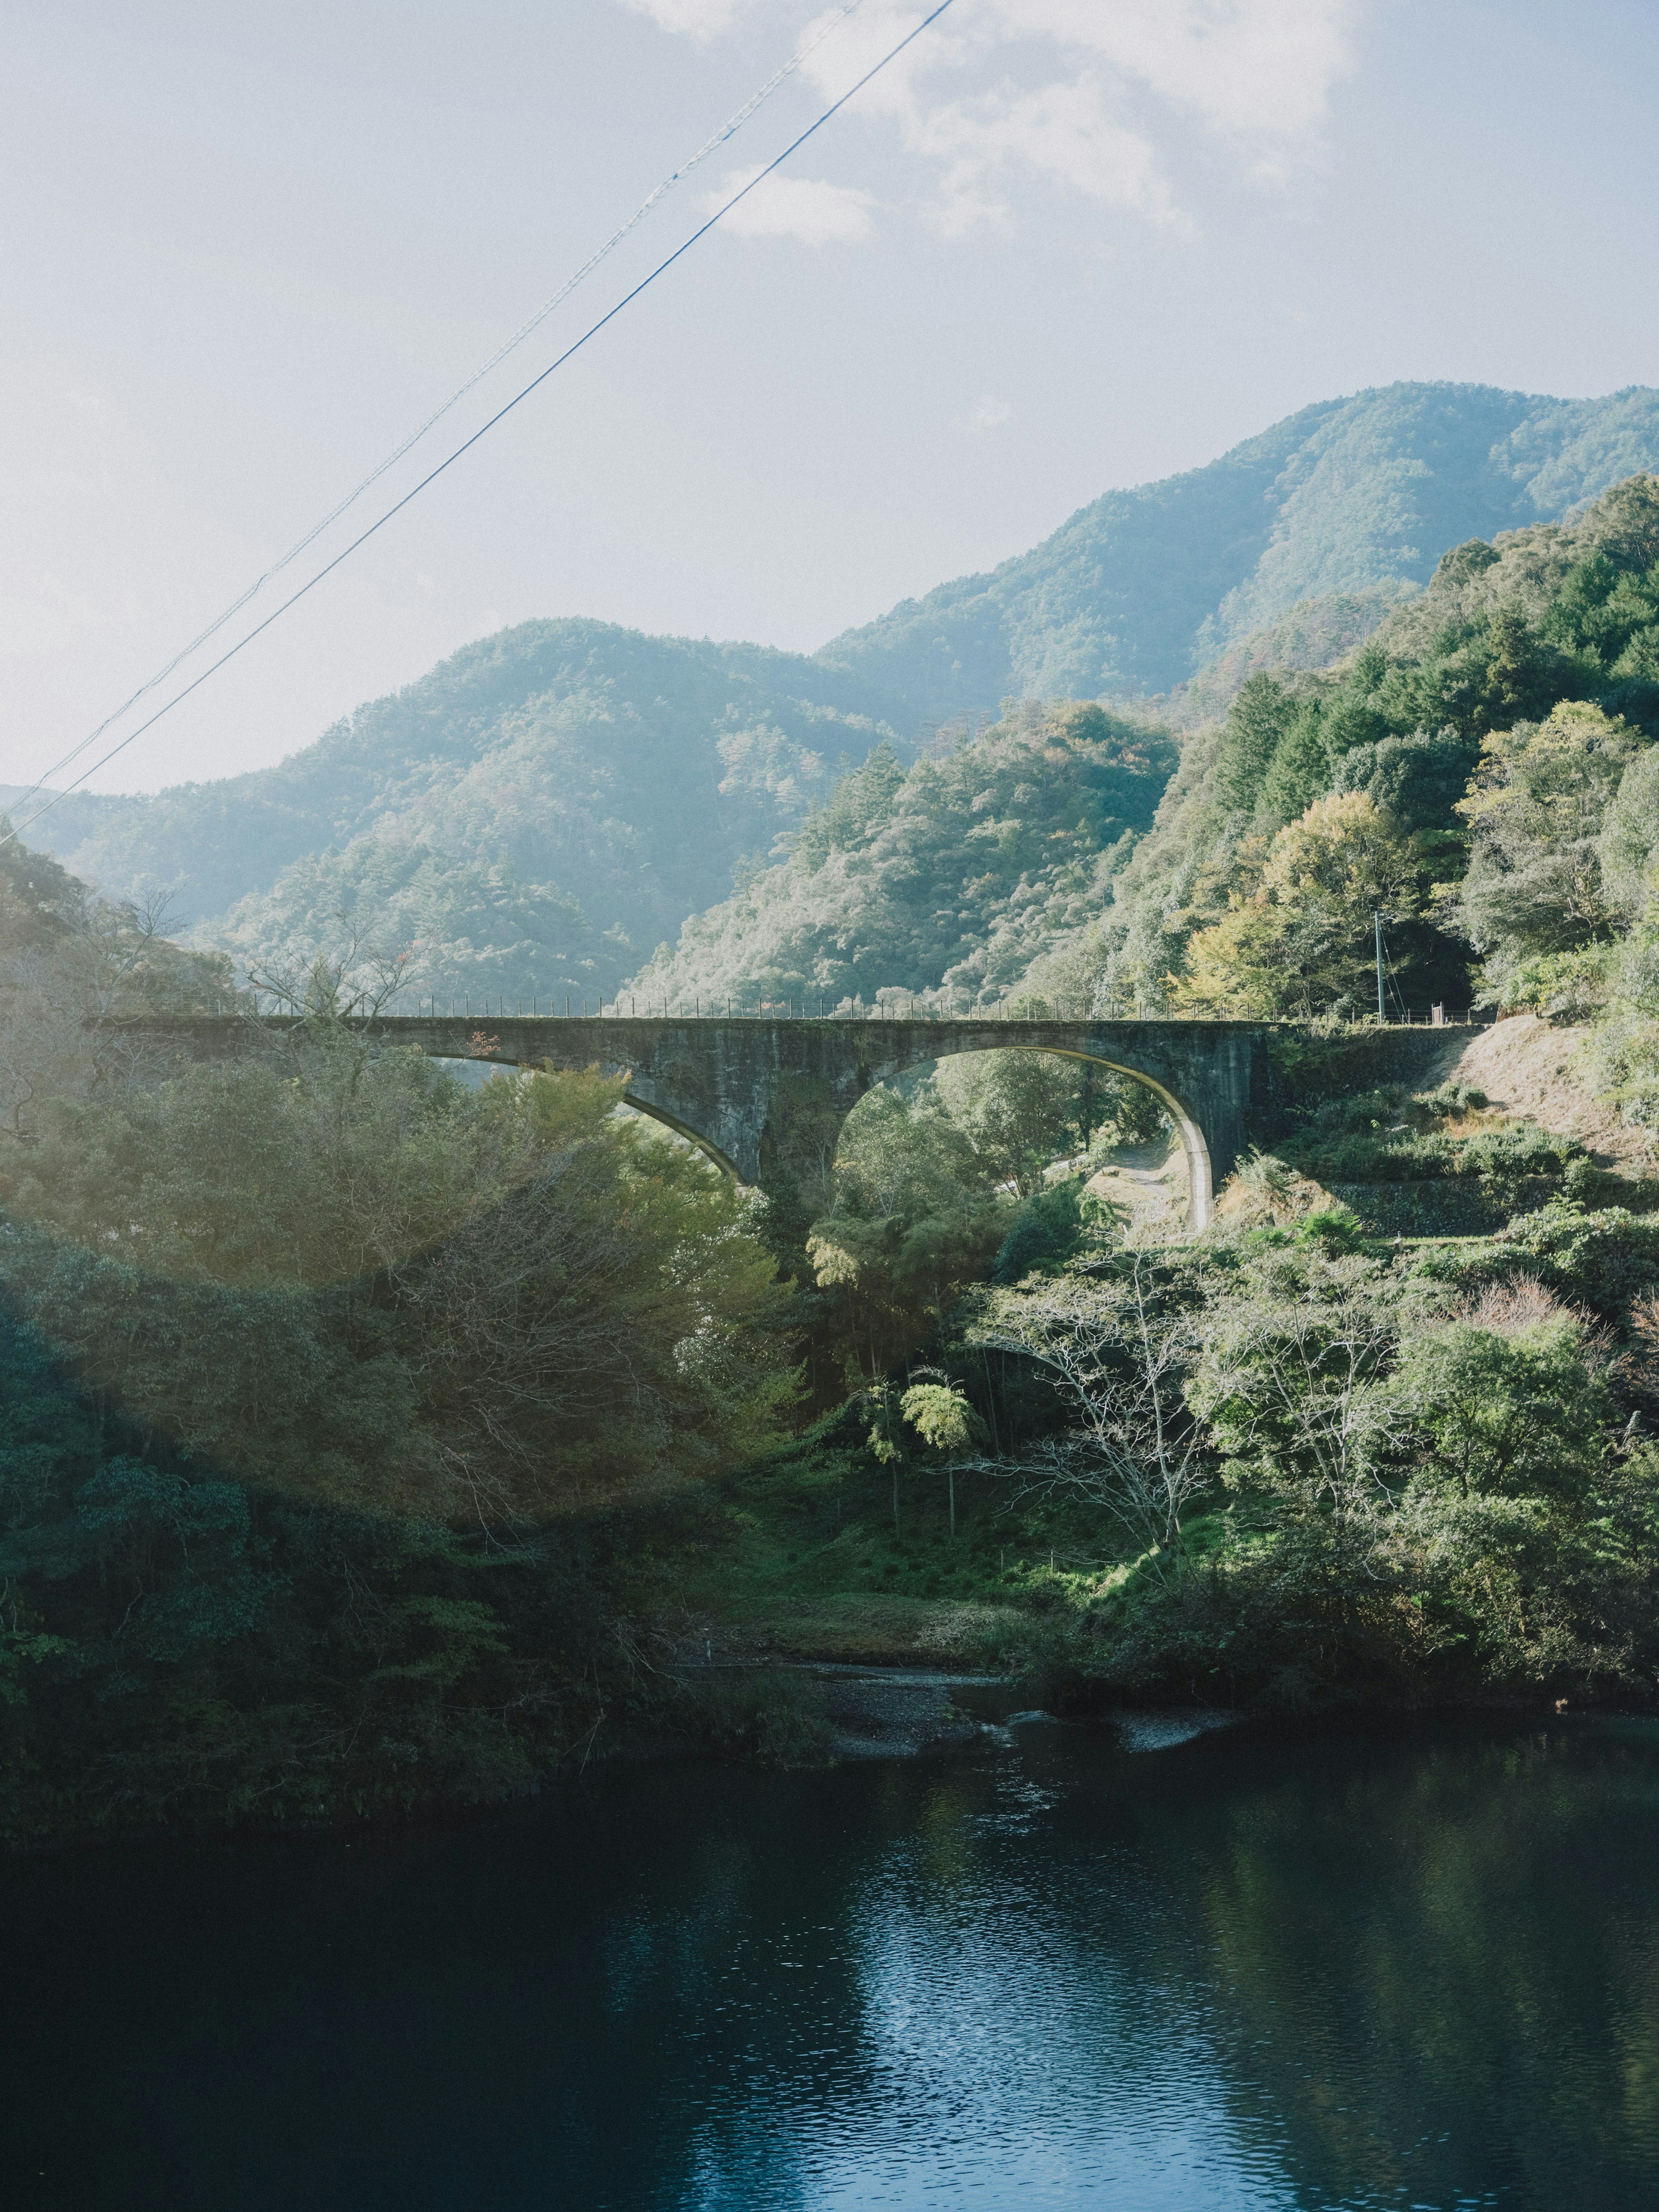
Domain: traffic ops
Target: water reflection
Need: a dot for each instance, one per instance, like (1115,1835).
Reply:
(1390,1971)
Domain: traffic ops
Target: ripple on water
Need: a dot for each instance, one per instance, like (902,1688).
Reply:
(1414,1971)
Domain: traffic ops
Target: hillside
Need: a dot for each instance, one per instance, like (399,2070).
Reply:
(534,815)
(1456,771)
(950,879)
(1144,586)
(1464,695)
(1527,1068)
(548,805)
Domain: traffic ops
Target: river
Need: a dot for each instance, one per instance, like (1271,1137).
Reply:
(1402,1965)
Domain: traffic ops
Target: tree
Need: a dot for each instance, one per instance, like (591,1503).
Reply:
(1256,722)
(1509,1404)
(1016,1108)
(1300,770)
(1302,940)
(1119,1352)
(912,1221)
(1629,840)
(1295,1385)
(942,1417)
(1536,807)
(354,1278)
(72,966)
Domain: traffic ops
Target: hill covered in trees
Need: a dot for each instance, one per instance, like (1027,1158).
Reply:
(1358,496)
(1480,770)
(532,816)
(947,880)
(544,808)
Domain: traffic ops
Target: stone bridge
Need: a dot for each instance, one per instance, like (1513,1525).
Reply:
(718,1080)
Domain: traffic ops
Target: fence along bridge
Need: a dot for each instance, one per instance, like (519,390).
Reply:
(718,1079)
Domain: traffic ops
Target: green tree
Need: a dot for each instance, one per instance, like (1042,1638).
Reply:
(1256,724)
(1302,940)
(914,1221)
(1536,808)
(1017,1110)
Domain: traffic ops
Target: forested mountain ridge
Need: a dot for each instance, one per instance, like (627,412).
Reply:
(951,878)
(533,814)
(1415,776)
(1462,770)
(547,804)
(1143,586)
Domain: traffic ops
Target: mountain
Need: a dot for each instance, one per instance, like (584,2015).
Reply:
(547,806)
(1023,862)
(533,816)
(951,879)
(1141,589)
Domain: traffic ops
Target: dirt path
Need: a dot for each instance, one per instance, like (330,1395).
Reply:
(1150,1181)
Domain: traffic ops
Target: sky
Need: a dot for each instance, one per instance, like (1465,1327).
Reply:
(1059,245)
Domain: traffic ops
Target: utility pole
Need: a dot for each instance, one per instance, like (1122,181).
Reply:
(1376,917)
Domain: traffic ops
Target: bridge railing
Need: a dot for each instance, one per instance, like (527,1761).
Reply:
(890,1008)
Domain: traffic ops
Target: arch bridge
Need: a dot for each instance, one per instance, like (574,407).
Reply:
(721,1081)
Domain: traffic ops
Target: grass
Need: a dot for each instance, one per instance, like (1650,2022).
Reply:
(803,1560)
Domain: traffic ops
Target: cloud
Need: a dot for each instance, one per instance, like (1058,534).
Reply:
(1062,133)
(695,19)
(1257,74)
(1252,68)
(806,208)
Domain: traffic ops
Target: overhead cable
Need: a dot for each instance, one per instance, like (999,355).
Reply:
(575,346)
(726,131)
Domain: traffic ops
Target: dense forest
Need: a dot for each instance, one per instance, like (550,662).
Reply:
(946,882)
(1462,770)
(378,1438)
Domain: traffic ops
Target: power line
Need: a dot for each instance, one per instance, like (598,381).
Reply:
(1386,964)
(726,131)
(592,329)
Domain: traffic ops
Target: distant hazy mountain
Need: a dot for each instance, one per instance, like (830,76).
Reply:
(1139,591)
(535,814)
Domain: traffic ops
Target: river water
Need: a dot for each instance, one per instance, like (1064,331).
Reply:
(1061,1965)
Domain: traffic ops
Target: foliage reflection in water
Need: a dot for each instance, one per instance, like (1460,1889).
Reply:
(1386,1969)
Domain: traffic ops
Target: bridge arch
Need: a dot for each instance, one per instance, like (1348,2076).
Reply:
(706,1145)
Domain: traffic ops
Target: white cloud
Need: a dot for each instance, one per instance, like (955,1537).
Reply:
(696,19)
(807,207)
(1256,73)
(1253,68)
(1062,133)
